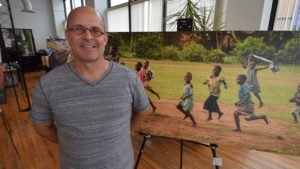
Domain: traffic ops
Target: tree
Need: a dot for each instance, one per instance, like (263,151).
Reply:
(194,52)
(255,46)
(148,45)
(291,52)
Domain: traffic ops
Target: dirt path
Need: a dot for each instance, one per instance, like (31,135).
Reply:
(276,136)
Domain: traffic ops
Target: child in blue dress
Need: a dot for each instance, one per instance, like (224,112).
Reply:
(186,103)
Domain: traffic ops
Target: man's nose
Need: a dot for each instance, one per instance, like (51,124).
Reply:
(87,34)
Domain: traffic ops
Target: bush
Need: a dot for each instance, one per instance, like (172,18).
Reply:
(194,52)
(255,46)
(148,46)
(291,52)
(170,52)
(215,55)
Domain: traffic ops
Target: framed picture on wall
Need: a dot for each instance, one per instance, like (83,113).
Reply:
(24,40)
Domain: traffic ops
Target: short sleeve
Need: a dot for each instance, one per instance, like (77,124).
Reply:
(246,90)
(191,90)
(41,112)
(140,100)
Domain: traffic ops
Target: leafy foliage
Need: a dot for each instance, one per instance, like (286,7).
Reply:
(216,56)
(170,52)
(203,17)
(194,52)
(291,52)
(253,46)
(149,45)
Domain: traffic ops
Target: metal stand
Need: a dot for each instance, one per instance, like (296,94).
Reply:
(6,5)
(8,129)
(147,136)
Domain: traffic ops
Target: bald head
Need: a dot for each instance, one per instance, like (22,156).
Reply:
(84,10)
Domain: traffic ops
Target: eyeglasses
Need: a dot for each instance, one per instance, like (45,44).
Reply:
(79,30)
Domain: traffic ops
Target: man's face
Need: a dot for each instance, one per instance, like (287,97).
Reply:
(298,87)
(86,47)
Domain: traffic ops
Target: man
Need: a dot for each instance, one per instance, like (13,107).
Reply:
(86,105)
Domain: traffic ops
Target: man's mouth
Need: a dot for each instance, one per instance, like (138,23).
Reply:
(88,46)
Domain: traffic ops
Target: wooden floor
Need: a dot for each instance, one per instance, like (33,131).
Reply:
(159,153)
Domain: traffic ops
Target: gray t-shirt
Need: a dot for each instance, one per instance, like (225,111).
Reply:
(92,119)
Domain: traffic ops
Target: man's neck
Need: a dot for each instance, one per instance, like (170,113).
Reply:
(91,71)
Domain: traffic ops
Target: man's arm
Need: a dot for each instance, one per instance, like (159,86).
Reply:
(137,118)
(47,130)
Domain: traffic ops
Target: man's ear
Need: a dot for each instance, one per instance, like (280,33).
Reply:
(67,35)
(106,38)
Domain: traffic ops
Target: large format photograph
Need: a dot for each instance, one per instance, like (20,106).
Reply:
(237,88)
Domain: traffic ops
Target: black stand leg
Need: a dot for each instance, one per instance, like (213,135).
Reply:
(181,149)
(213,149)
(8,129)
(212,146)
(141,151)
(26,91)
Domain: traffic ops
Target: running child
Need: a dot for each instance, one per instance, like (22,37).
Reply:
(186,103)
(149,74)
(214,82)
(245,106)
(296,99)
(143,76)
(252,81)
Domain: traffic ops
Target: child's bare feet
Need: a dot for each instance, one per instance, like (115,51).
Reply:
(261,104)
(208,119)
(220,115)
(237,130)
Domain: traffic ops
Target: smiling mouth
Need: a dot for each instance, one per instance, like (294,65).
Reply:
(88,46)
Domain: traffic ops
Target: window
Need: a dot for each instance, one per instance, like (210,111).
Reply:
(147,15)
(205,6)
(117,2)
(72,4)
(287,15)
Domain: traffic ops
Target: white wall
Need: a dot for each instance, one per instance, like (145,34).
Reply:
(59,18)
(101,6)
(243,14)
(41,22)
